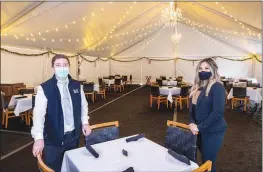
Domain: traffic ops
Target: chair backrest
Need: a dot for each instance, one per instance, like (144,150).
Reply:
(222,77)
(88,87)
(163,77)
(249,83)
(33,101)
(179,79)
(130,77)
(225,83)
(155,91)
(105,77)
(100,81)
(103,132)
(228,87)
(42,165)
(3,100)
(242,84)
(117,81)
(184,90)
(256,85)
(23,91)
(206,167)
(111,77)
(160,82)
(125,78)
(118,75)
(240,92)
(181,140)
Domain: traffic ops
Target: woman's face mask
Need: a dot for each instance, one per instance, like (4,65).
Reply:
(204,75)
(204,71)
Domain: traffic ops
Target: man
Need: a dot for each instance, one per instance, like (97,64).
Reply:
(60,113)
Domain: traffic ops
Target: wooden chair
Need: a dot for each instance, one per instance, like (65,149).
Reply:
(155,96)
(102,91)
(206,167)
(240,94)
(30,112)
(182,97)
(103,132)
(124,79)
(8,112)
(43,167)
(160,82)
(117,85)
(88,89)
(26,90)
(180,139)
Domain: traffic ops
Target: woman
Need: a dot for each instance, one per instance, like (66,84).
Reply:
(207,104)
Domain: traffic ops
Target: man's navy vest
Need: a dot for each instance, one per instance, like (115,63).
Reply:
(54,120)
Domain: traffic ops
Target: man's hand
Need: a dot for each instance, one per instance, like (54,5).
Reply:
(86,129)
(38,147)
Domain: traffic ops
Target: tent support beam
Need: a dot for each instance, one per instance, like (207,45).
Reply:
(124,25)
(20,15)
(224,15)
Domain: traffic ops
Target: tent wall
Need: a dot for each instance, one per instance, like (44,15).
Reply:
(258,71)
(34,70)
(30,70)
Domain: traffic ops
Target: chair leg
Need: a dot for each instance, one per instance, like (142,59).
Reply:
(181,104)
(158,102)
(187,102)
(151,103)
(245,105)
(3,118)
(6,120)
(167,103)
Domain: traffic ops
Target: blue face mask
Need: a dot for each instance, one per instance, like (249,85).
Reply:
(204,75)
(62,72)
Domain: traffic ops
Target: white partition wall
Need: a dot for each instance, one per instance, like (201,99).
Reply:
(258,71)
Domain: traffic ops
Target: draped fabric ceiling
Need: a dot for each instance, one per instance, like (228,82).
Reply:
(108,28)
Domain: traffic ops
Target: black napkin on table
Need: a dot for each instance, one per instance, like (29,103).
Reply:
(92,151)
(135,138)
(179,157)
(130,169)
(20,97)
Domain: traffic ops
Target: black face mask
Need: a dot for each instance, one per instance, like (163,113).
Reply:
(204,75)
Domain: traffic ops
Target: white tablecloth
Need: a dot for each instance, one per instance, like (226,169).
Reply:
(255,95)
(170,92)
(110,81)
(174,83)
(22,105)
(143,155)
(96,87)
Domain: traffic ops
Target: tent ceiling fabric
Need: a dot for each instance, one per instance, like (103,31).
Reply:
(129,23)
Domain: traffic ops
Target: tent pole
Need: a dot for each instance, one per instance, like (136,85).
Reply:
(78,67)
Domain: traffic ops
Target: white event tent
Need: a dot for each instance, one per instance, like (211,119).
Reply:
(128,38)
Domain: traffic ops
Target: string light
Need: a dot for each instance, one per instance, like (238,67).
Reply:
(132,40)
(109,33)
(231,16)
(147,43)
(232,33)
(65,25)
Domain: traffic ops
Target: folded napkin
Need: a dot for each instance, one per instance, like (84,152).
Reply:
(135,138)
(130,169)
(92,151)
(20,97)
(179,157)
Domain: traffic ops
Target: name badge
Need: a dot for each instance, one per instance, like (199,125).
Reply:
(76,91)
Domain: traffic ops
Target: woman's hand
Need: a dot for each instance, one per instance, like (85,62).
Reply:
(193,128)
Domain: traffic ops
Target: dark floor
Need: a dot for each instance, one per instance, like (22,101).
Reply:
(241,150)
